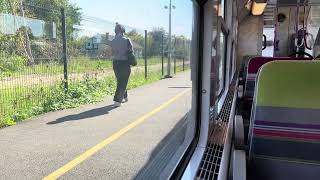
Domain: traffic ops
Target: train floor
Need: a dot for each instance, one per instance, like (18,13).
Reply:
(96,141)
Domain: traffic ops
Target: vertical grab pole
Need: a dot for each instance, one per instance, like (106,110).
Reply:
(162,56)
(64,48)
(145,54)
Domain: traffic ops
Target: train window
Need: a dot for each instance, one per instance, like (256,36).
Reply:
(218,69)
(232,54)
(313,29)
(221,62)
(131,121)
(221,8)
(214,57)
(268,31)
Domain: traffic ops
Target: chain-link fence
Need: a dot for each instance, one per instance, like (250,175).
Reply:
(53,58)
(30,59)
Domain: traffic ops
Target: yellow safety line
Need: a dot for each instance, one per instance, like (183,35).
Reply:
(70,165)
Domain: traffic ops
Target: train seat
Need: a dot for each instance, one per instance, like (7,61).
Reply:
(252,69)
(285,122)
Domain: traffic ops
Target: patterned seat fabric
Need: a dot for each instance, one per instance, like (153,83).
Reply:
(285,130)
(252,69)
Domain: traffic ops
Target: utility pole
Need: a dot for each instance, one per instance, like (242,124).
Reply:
(145,54)
(169,39)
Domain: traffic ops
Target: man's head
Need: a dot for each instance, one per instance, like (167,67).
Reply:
(119,29)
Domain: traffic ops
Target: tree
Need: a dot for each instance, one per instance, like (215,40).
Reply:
(155,47)
(43,10)
(16,6)
(49,11)
(136,37)
(3,6)
(180,46)
(73,17)
(26,36)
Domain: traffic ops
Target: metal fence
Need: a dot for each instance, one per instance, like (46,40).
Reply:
(49,57)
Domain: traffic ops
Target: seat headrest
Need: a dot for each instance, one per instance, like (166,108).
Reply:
(292,84)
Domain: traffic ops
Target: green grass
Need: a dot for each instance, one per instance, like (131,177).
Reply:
(25,102)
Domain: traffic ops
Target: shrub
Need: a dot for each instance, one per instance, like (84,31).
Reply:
(11,63)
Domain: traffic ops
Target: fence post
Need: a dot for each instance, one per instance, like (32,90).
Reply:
(145,54)
(183,64)
(175,57)
(162,56)
(64,48)
(184,55)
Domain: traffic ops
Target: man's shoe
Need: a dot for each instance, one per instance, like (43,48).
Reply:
(116,104)
(125,100)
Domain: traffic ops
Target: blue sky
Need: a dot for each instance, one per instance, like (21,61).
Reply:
(140,14)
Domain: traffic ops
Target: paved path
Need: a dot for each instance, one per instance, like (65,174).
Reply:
(124,142)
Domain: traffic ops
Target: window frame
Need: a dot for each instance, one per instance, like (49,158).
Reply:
(194,156)
(198,24)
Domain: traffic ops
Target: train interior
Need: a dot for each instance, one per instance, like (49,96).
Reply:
(265,123)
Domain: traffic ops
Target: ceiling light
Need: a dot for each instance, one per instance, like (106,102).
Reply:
(258,8)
